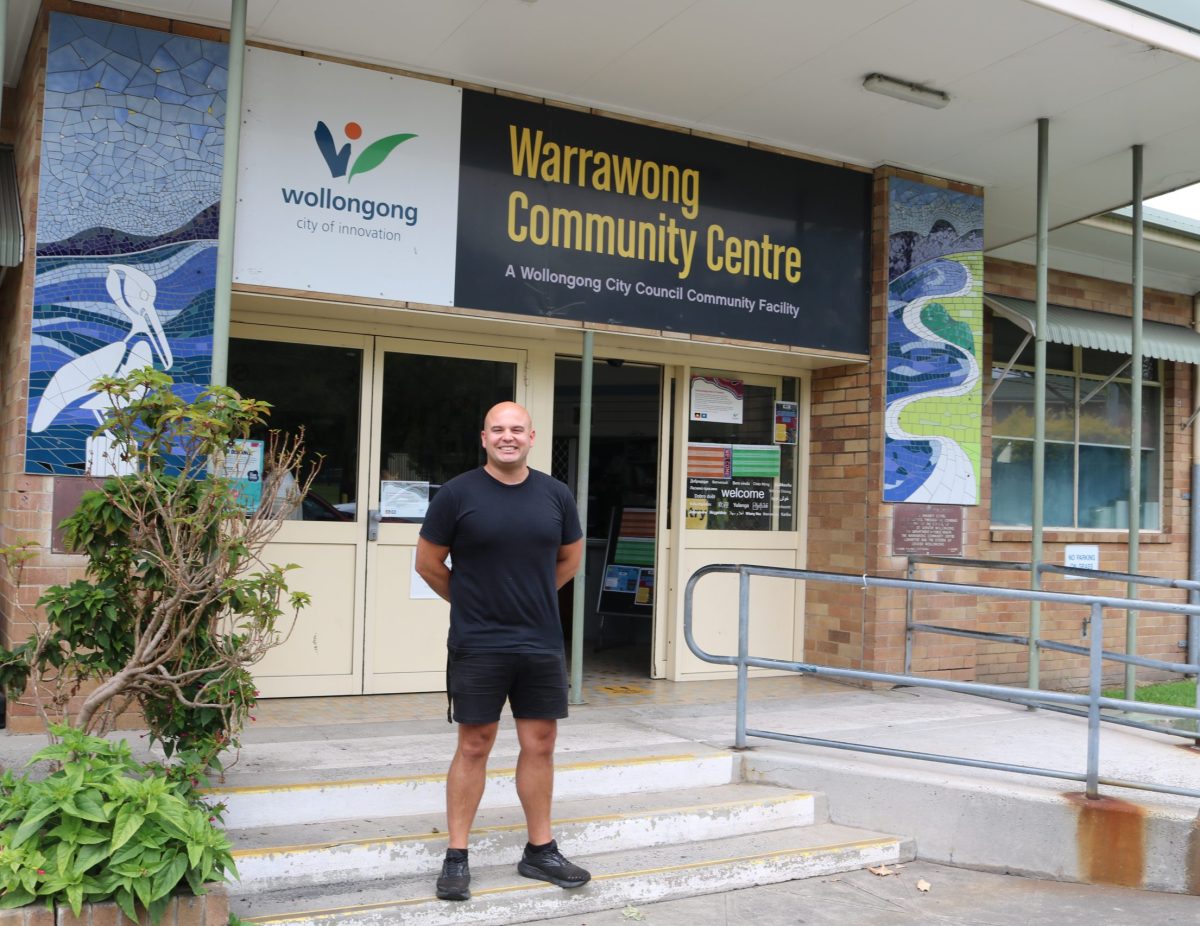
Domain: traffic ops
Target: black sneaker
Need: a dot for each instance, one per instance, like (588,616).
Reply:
(549,865)
(455,880)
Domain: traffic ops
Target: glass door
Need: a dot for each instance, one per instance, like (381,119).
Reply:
(315,382)
(428,404)
(739,491)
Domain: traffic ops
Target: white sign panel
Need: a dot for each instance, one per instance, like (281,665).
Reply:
(348,181)
(403,499)
(717,399)
(1081,556)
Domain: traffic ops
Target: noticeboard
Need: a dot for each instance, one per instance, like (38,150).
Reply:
(627,585)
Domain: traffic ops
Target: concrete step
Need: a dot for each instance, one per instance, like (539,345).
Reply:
(639,876)
(353,799)
(275,858)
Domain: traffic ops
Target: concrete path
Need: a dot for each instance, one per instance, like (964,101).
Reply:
(955,896)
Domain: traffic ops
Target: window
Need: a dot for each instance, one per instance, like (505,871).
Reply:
(315,388)
(1087,436)
(741,454)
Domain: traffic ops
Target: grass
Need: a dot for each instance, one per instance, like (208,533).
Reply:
(1181,694)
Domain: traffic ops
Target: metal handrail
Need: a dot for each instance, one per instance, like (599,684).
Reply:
(911,626)
(1093,700)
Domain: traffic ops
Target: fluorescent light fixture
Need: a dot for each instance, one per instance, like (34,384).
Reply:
(905,90)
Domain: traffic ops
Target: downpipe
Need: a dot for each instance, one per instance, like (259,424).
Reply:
(1193,625)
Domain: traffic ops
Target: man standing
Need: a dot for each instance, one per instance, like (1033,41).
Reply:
(513,537)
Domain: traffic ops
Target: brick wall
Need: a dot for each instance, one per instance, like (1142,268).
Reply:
(850,528)
(25,500)
(1161,553)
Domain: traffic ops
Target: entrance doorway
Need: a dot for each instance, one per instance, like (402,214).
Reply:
(623,496)
(389,421)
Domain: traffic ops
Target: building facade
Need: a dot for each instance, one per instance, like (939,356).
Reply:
(794,363)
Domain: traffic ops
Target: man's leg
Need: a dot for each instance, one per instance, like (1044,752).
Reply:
(468,774)
(538,698)
(535,775)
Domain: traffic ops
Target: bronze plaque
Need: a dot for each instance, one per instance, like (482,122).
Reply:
(927,530)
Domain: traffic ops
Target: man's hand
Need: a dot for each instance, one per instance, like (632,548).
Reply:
(569,558)
(431,566)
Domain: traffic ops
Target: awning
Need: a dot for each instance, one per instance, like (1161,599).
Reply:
(12,231)
(1100,331)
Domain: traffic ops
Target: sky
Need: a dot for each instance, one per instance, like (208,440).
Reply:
(1185,202)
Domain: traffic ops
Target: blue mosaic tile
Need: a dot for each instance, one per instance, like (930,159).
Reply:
(128,212)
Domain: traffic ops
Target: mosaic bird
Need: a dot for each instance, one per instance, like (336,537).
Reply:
(133,292)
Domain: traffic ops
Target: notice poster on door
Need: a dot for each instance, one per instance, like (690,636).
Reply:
(242,465)
(786,415)
(406,500)
(731,504)
(716,399)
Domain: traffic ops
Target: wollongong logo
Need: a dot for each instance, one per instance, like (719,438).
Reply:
(338,159)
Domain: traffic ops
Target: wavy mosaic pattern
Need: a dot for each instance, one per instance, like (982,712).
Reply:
(128,197)
(935,328)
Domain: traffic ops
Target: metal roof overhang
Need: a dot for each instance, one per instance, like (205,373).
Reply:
(1100,331)
(12,231)
(790,75)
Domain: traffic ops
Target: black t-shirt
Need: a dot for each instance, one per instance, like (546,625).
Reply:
(504,542)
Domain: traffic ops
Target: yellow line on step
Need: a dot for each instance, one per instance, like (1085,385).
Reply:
(510,827)
(512,888)
(492,773)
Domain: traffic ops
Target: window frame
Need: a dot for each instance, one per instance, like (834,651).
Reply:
(1085,385)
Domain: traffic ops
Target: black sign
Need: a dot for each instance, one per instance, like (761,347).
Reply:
(575,216)
(732,504)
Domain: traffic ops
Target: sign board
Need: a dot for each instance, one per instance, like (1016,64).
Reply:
(566,214)
(349,180)
(717,400)
(1081,556)
(627,586)
(927,530)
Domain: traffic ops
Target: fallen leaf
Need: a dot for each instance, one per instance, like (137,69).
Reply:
(633,913)
(882,871)
(923,885)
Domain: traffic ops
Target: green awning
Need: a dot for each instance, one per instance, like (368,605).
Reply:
(12,232)
(1100,331)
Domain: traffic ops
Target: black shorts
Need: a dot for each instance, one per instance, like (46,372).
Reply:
(535,685)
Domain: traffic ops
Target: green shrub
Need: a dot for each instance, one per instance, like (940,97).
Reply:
(177,604)
(104,826)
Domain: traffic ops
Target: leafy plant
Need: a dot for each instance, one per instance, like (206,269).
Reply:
(176,603)
(104,826)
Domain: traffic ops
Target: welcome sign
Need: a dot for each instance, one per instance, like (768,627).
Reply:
(348,181)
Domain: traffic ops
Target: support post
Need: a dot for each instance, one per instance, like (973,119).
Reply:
(583,456)
(229,171)
(1039,399)
(1193,637)
(1095,658)
(1135,424)
(743,671)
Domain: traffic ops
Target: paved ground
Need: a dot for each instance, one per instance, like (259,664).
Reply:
(336,732)
(955,896)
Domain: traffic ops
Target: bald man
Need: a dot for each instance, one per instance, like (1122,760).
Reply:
(513,537)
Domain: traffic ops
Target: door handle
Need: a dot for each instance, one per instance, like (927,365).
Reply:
(373,524)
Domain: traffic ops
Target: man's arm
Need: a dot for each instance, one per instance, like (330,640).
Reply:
(569,557)
(431,566)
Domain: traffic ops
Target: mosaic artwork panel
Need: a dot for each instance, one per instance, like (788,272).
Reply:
(128,211)
(934,338)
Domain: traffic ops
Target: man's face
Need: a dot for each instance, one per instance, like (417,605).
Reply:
(507,436)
